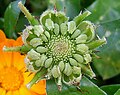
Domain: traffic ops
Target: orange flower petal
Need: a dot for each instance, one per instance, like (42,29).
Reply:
(19,40)
(33,93)
(27,77)
(2,36)
(24,91)
(9,93)
(2,91)
(40,87)
(16,92)
(18,61)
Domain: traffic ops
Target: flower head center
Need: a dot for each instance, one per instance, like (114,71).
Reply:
(10,78)
(60,48)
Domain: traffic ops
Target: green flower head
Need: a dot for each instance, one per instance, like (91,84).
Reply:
(58,48)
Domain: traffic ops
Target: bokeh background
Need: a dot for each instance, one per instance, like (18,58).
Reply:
(105,15)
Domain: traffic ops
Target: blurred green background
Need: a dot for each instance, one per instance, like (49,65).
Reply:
(106,16)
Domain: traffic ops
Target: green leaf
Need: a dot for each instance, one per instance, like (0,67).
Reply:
(110,89)
(118,92)
(1,23)
(106,13)
(104,10)
(11,16)
(86,88)
(109,64)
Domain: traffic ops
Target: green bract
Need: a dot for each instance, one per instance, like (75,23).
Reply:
(61,48)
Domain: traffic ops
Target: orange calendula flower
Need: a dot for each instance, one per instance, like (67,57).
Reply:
(13,78)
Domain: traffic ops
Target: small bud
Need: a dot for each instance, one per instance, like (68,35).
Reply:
(73,62)
(38,30)
(44,38)
(56,29)
(30,67)
(86,69)
(81,17)
(61,65)
(35,42)
(41,49)
(71,26)
(78,57)
(26,60)
(47,34)
(90,32)
(55,71)
(33,55)
(76,33)
(68,69)
(25,34)
(49,24)
(76,70)
(38,62)
(41,61)
(48,62)
(87,58)
(63,28)
(77,80)
(82,48)
(84,25)
(81,39)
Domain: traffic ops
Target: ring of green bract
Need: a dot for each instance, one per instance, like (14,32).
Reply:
(63,47)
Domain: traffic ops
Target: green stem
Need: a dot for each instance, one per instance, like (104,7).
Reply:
(39,75)
(30,18)
(6,49)
(22,49)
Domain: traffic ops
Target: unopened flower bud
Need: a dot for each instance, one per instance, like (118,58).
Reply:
(31,68)
(44,38)
(38,29)
(68,69)
(48,62)
(84,25)
(41,49)
(76,33)
(87,58)
(77,80)
(76,70)
(63,28)
(49,24)
(56,29)
(33,55)
(35,42)
(47,34)
(25,34)
(71,27)
(78,57)
(73,62)
(81,39)
(55,71)
(82,48)
(41,61)
(61,65)
(78,19)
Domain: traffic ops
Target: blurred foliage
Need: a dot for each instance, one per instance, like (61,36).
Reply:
(106,16)
(86,88)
